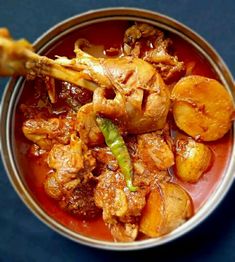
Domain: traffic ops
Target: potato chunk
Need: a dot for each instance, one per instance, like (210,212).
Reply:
(166,209)
(152,218)
(202,107)
(178,206)
(192,159)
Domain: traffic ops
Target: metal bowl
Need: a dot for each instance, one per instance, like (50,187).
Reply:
(13,92)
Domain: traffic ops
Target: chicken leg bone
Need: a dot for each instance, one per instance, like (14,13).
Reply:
(18,59)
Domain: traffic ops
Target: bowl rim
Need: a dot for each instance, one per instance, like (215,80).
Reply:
(11,94)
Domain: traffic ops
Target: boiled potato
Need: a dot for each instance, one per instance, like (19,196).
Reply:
(152,218)
(178,206)
(166,209)
(202,107)
(192,159)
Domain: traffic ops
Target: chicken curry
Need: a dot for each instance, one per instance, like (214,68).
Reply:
(121,137)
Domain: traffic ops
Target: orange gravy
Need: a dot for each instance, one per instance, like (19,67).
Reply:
(110,34)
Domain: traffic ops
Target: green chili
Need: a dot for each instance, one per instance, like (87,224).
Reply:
(118,147)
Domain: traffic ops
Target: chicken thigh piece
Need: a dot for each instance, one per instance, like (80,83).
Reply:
(130,90)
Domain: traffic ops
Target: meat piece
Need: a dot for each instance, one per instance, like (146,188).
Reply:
(124,232)
(146,172)
(45,133)
(121,207)
(141,103)
(39,104)
(135,33)
(147,177)
(105,159)
(147,42)
(75,96)
(113,107)
(87,128)
(67,158)
(71,183)
(52,187)
(111,192)
(81,201)
(155,152)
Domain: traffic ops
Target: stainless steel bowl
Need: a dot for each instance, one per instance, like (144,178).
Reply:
(13,91)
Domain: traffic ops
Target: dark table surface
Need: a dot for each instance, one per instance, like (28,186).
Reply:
(22,236)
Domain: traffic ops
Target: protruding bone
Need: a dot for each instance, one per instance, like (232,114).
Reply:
(18,59)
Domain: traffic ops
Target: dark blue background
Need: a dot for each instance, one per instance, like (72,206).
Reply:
(22,236)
